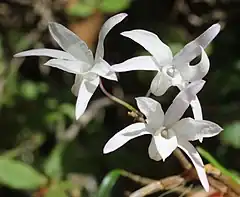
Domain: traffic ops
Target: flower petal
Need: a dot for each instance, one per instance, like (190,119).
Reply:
(70,42)
(162,146)
(125,135)
(192,153)
(46,52)
(196,108)
(189,50)
(136,63)
(182,102)
(190,129)
(85,93)
(75,67)
(77,84)
(103,69)
(196,72)
(153,152)
(107,26)
(160,83)
(152,110)
(150,41)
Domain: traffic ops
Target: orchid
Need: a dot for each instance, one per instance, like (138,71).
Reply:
(168,132)
(172,71)
(78,59)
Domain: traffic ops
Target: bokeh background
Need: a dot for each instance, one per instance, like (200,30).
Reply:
(38,128)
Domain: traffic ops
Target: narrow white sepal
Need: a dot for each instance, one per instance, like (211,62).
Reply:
(70,42)
(136,63)
(107,26)
(46,52)
(122,137)
(86,90)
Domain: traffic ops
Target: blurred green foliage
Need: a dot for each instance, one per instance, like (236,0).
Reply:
(37,108)
(85,8)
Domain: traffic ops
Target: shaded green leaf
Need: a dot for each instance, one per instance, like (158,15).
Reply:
(113,6)
(231,134)
(29,90)
(19,175)
(108,182)
(68,109)
(53,164)
(56,191)
(81,9)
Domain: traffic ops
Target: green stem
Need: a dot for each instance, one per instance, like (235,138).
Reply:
(206,155)
(117,100)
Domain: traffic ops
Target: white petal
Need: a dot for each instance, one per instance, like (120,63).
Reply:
(195,72)
(160,83)
(196,108)
(75,67)
(162,146)
(190,129)
(197,162)
(46,52)
(107,26)
(150,41)
(136,63)
(152,110)
(125,135)
(70,42)
(182,102)
(153,152)
(77,84)
(85,93)
(189,51)
(103,69)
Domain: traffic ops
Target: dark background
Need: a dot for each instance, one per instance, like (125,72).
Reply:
(37,102)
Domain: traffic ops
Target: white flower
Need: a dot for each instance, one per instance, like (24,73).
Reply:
(78,59)
(168,132)
(172,71)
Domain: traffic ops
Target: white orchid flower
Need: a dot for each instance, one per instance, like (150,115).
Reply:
(78,59)
(172,71)
(168,132)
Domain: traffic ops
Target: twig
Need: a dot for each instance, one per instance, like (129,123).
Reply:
(221,182)
(89,114)
(182,159)
(138,179)
(163,184)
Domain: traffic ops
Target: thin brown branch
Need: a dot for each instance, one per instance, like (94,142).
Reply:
(89,114)
(163,184)
(138,179)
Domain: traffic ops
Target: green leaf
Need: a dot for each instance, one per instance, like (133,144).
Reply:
(231,135)
(108,182)
(68,109)
(53,164)
(81,9)
(56,191)
(113,6)
(206,155)
(19,175)
(29,90)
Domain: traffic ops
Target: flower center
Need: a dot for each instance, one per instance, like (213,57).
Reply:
(171,72)
(163,132)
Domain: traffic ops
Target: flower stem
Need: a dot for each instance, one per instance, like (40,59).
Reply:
(182,159)
(117,100)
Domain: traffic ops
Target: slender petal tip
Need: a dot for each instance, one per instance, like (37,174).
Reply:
(216,27)
(106,150)
(123,15)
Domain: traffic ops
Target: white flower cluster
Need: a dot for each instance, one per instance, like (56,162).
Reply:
(168,130)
